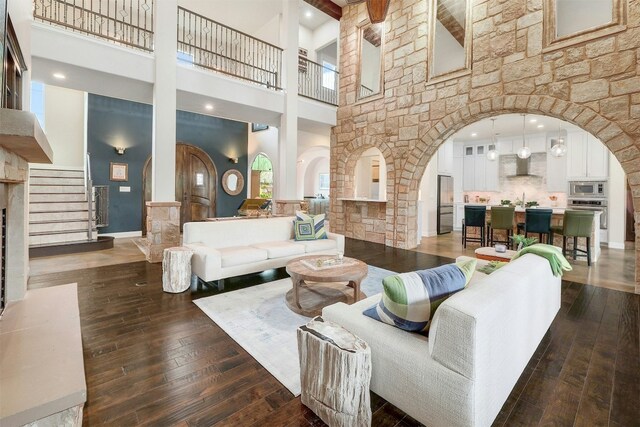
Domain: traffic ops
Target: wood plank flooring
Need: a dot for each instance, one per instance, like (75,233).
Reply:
(153,358)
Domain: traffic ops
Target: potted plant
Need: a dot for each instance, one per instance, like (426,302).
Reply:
(522,241)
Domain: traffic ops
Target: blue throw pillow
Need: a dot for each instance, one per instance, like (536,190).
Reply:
(410,300)
(318,223)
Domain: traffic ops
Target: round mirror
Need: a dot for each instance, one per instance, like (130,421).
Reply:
(233,182)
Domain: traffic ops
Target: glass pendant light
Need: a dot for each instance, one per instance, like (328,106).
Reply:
(559,149)
(524,152)
(492,154)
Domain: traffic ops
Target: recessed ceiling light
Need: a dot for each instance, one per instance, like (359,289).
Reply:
(533,120)
(208,107)
(59,76)
(308,14)
(474,133)
(540,126)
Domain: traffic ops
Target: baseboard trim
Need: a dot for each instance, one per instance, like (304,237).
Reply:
(615,245)
(430,234)
(123,234)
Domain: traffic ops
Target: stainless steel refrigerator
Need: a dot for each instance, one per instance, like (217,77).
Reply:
(445,204)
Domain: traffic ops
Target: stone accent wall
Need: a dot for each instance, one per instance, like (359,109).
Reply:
(594,85)
(366,220)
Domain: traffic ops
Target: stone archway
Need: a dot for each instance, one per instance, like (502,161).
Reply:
(342,187)
(621,144)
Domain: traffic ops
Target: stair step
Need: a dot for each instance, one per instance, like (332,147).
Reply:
(81,229)
(57,226)
(57,197)
(57,173)
(43,239)
(58,216)
(58,206)
(49,189)
(56,181)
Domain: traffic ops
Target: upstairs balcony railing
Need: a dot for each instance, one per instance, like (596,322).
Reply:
(319,82)
(126,22)
(209,44)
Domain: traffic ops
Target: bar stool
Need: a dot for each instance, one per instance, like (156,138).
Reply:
(474,216)
(537,221)
(576,224)
(501,219)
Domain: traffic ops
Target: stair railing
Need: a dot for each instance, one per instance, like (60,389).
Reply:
(89,193)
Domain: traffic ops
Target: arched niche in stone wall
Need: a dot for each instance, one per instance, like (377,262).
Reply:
(370,176)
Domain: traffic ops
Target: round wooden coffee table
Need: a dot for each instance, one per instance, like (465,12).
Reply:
(313,289)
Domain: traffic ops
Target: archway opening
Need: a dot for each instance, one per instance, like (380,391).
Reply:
(261,177)
(370,175)
(568,168)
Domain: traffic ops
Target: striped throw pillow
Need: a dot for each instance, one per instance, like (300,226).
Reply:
(410,300)
(303,230)
(318,223)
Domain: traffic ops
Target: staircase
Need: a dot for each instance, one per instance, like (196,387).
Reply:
(58,208)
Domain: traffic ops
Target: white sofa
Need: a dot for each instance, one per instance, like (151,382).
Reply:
(235,247)
(480,342)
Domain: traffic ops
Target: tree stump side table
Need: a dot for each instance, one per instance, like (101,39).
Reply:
(176,269)
(335,372)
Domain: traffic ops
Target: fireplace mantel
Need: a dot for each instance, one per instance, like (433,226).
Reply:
(21,134)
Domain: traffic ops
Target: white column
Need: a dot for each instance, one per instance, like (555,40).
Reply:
(164,102)
(17,263)
(288,132)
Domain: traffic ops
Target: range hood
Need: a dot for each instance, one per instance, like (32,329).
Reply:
(523,166)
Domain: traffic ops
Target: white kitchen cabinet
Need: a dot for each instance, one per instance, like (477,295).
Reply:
(468,168)
(505,146)
(492,178)
(480,168)
(458,216)
(587,157)
(445,158)
(597,159)
(557,174)
(536,143)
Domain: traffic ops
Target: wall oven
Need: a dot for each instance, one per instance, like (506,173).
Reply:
(588,189)
(596,205)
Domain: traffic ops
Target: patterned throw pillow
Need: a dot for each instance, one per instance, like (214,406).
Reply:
(303,230)
(410,300)
(318,223)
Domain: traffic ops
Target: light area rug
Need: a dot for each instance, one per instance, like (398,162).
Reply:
(258,319)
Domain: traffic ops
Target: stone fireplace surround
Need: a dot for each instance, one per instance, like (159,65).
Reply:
(593,84)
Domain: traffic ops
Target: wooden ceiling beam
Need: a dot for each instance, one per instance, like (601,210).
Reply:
(328,7)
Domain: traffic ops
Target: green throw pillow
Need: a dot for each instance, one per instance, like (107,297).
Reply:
(318,223)
(303,230)
(467,267)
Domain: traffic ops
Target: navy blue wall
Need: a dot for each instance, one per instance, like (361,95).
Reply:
(114,122)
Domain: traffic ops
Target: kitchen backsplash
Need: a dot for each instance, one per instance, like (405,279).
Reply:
(533,186)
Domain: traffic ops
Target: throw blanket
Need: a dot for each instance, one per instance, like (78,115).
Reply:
(492,266)
(553,254)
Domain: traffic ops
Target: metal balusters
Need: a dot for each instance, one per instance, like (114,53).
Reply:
(317,82)
(126,22)
(223,49)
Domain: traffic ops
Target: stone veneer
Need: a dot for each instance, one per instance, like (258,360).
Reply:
(593,84)
(163,229)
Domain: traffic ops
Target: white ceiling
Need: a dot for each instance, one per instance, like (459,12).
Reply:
(310,17)
(511,125)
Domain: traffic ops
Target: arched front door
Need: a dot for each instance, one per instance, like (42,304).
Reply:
(196,183)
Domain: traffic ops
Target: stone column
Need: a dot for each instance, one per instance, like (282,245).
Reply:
(286,181)
(163,228)
(17,263)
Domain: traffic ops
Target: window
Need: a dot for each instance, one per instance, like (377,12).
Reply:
(324,181)
(37,101)
(328,75)
(185,57)
(567,22)
(450,47)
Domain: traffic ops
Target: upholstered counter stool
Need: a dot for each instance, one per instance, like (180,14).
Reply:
(335,372)
(474,216)
(176,269)
(501,219)
(537,221)
(576,224)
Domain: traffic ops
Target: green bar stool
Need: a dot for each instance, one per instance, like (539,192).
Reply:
(501,219)
(474,216)
(576,224)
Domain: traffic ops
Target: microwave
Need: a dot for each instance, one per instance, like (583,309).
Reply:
(588,189)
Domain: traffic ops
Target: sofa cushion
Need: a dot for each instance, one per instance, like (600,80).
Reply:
(318,245)
(318,223)
(239,255)
(410,300)
(280,249)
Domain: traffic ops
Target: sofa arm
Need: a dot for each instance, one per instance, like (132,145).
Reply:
(339,238)
(206,262)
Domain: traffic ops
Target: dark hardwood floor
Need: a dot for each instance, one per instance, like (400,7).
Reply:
(153,358)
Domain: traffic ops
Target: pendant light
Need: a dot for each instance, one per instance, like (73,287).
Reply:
(559,149)
(524,152)
(492,154)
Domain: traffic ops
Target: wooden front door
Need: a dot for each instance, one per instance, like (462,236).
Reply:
(196,183)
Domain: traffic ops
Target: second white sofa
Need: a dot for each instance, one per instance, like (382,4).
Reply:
(235,247)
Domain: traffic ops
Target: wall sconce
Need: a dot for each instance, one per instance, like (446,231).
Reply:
(120,150)
(233,160)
